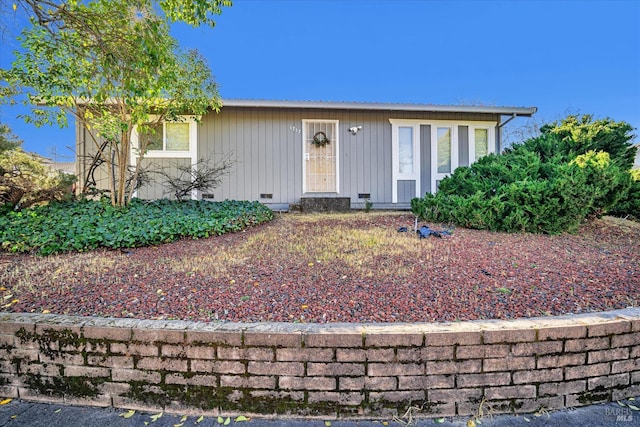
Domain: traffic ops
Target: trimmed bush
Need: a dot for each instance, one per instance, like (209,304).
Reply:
(548,184)
(85,225)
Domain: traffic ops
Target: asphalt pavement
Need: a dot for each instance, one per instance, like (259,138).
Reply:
(22,413)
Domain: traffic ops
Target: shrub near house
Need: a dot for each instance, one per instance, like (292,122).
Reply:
(575,169)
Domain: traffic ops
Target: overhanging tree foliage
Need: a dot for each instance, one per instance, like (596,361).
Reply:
(113,65)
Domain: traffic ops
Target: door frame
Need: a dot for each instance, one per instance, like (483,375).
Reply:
(336,141)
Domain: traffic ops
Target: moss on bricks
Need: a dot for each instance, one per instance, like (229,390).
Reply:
(81,387)
(63,338)
(282,405)
(202,397)
(595,396)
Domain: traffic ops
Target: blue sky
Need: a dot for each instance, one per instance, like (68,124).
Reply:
(560,56)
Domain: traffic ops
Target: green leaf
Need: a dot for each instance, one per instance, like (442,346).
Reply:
(183,419)
(241,418)
(227,421)
(634,407)
(200,419)
(439,420)
(155,417)
(220,420)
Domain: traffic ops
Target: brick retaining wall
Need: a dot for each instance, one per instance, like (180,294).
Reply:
(334,370)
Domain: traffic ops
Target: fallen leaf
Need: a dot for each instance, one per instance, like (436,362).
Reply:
(310,264)
(241,418)
(146,423)
(327,423)
(127,414)
(526,419)
(304,306)
(200,419)
(439,420)
(183,419)
(385,423)
(220,420)
(6,297)
(57,410)
(178,425)
(155,417)
(46,311)
(227,421)
(4,402)
(13,417)
(635,408)
(471,423)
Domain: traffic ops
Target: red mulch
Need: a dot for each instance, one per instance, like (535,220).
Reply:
(470,275)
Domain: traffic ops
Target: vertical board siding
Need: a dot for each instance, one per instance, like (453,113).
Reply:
(155,189)
(268,148)
(425,159)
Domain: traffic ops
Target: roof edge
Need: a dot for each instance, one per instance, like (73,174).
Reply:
(262,103)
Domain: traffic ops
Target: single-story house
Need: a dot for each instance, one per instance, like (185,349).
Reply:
(289,152)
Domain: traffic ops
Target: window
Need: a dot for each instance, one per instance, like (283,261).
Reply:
(405,149)
(481,142)
(481,138)
(444,149)
(167,136)
(177,139)
(176,136)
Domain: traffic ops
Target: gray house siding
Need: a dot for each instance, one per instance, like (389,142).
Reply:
(264,139)
(156,189)
(425,158)
(266,146)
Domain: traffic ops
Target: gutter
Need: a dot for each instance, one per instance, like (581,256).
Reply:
(249,103)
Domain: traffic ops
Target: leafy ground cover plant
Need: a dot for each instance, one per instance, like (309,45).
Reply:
(576,169)
(85,225)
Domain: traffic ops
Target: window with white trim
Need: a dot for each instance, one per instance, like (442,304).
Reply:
(176,139)
(168,136)
(480,142)
(406,158)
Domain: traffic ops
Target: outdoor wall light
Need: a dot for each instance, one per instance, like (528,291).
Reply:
(354,129)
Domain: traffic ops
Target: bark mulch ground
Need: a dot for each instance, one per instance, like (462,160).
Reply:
(339,268)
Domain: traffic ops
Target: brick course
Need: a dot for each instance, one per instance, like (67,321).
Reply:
(335,370)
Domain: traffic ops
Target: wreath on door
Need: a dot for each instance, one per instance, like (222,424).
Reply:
(320,139)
